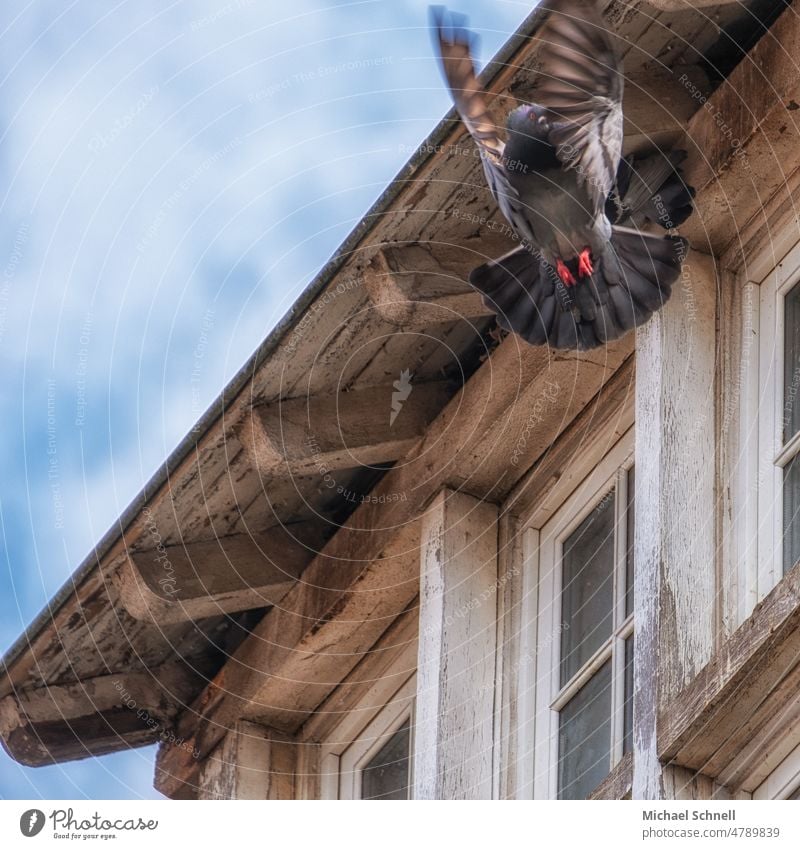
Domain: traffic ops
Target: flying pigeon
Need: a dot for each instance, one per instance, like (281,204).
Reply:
(579,278)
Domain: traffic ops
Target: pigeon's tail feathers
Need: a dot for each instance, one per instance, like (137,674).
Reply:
(517,289)
(651,189)
(640,270)
(530,300)
(632,279)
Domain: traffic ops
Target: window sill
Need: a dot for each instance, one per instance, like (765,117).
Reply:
(738,718)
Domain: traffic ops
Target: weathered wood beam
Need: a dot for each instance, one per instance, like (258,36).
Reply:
(744,140)
(72,721)
(453,734)
(388,664)
(416,286)
(240,572)
(776,227)
(368,572)
(250,762)
(302,650)
(657,107)
(734,721)
(553,478)
(674,597)
(322,434)
(682,5)
(543,409)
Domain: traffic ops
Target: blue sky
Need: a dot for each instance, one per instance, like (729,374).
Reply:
(172,175)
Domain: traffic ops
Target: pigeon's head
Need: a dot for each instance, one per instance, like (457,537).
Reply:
(528,145)
(529,120)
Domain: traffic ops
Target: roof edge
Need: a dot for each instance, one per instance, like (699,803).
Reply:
(425,152)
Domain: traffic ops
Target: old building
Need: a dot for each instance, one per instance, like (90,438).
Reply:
(402,555)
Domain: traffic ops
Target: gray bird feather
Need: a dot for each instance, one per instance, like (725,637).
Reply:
(581,86)
(579,279)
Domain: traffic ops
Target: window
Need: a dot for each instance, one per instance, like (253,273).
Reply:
(371,755)
(778,425)
(584,632)
(387,773)
(784,781)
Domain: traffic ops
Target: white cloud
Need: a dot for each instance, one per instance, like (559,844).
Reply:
(163,164)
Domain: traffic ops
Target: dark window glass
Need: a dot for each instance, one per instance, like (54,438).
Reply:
(587,587)
(791,363)
(584,737)
(627,734)
(386,776)
(791,513)
(629,528)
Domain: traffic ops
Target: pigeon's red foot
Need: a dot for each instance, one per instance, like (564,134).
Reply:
(564,273)
(585,267)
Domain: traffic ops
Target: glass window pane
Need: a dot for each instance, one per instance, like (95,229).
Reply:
(627,731)
(629,528)
(587,588)
(791,363)
(584,737)
(386,775)
(791,513)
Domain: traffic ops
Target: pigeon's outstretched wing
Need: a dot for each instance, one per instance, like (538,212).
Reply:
(581,87)
(455,45)
(651,188)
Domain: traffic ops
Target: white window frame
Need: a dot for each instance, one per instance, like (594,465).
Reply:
(773,456)
(361,735)
(783,780)
(541,643)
